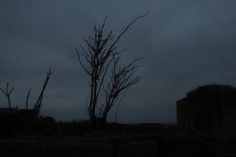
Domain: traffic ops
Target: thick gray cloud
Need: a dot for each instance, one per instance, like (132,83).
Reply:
(184,44)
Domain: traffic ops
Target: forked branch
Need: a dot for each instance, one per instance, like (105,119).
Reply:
(7,93)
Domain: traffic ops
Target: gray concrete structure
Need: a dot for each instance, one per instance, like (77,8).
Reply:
(209,111)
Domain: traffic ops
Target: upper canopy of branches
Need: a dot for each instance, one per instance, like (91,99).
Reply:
(100,47)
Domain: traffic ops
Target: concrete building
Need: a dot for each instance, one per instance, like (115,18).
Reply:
(209,111)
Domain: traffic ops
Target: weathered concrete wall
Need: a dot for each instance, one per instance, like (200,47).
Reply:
(209,110)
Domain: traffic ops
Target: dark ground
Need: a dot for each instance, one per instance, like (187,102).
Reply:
(72,139)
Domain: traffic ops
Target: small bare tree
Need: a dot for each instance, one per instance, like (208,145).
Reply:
(98,59)
(7,93)
(38,104)
(27,99)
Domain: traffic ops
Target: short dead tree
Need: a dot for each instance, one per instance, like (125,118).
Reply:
(38,103)
(7,92)
(27,99)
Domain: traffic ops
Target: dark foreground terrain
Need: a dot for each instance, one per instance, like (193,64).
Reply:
(76,139)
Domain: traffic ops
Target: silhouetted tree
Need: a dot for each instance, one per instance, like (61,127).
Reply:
(27,99)
(7,93)
(98,58)
(38,104)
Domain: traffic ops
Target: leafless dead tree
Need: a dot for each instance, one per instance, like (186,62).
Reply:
(38,104)
(27,99)
(7,93)
(96,59)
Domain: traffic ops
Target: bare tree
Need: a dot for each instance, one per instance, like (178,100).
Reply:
(38,104)
(27,99)
(97,59)
(7,93)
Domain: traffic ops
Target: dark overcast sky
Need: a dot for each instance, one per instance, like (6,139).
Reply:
(184,44)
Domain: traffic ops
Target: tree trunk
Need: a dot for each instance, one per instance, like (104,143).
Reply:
(9,102)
